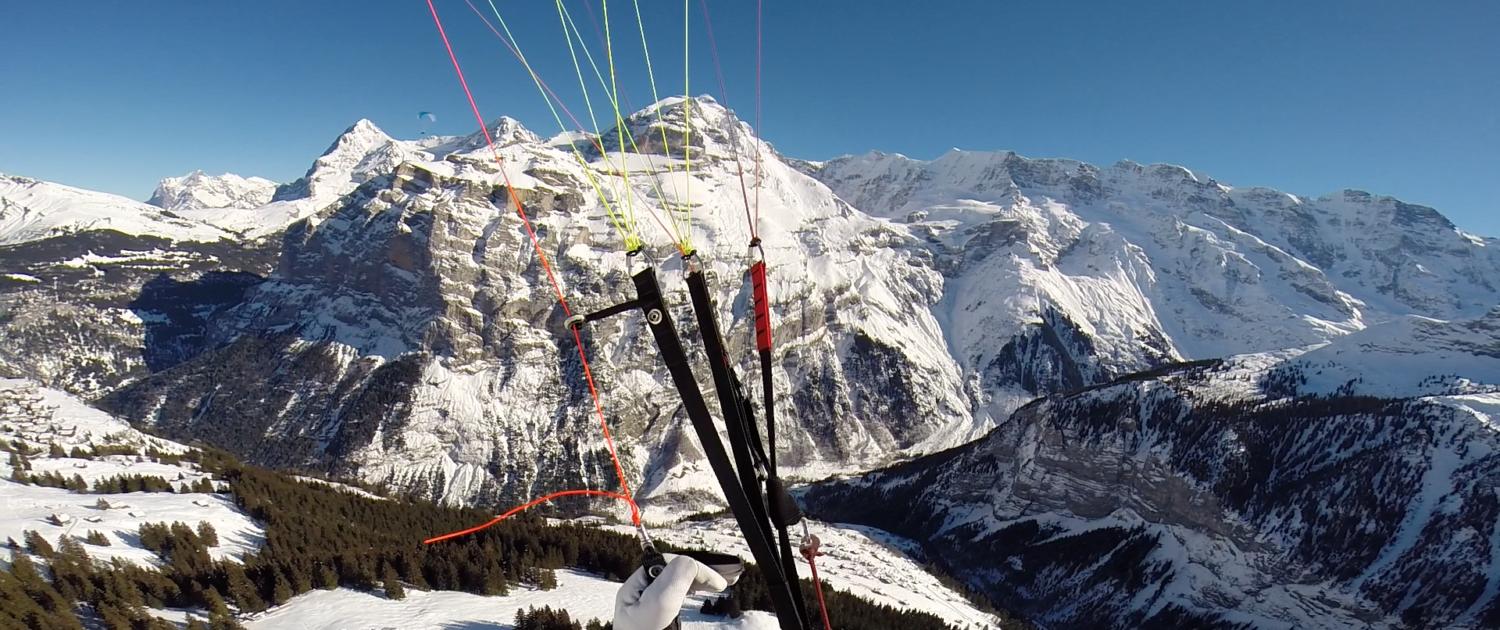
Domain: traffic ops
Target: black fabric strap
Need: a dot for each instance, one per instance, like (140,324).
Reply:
(744,438)
(789,613)
(731,397)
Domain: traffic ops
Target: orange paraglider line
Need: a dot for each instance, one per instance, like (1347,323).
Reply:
(517,510)
(592,140)
(635,514)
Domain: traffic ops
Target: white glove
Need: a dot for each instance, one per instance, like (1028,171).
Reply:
(642,607)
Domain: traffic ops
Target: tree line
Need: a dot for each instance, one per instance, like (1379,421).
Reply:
(321,537)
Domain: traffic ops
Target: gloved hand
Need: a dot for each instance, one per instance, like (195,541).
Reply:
(642,607)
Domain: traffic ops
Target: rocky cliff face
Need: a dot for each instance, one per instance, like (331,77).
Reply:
(409,333)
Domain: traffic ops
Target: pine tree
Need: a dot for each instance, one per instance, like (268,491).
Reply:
(223,621)
(97,538)
(214,602)
(328,579)
(281,589)
(194,623)
(209,536)
(244,593)
(56,450)
(115,617)
(392,584)
(36,544)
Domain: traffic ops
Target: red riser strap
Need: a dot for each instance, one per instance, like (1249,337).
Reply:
(762,306)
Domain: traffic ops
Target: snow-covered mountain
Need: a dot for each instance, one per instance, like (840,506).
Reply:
(418,333)
(1137,264)
(1407,357)
(863,561)
(1209,495)
(384,315)
(32,210)
(197,191)
(391,293)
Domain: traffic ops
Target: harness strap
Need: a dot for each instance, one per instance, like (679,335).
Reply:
(771,508)
(789,614)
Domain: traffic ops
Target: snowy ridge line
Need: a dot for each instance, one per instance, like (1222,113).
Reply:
(1130,504)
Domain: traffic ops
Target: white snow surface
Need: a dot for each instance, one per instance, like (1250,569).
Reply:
(32,210)
(40,417)
(1408,357)
(583,595)
(197,190)
(867,562)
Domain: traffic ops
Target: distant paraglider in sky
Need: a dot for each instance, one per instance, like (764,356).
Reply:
(427,118)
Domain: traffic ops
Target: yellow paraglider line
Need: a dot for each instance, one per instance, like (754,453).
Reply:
(614,102)
(567,18)
(687,113)
(660,125)
(625,233)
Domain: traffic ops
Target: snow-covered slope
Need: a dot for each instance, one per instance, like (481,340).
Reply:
(1410,356)
(197,191)
(40,417)
(1141,264)
(867,562)
(1204,495)
(32,210)
(584,596)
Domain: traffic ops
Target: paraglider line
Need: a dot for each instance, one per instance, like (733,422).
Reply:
(635,515)
(496,154)
(671,232)
(514,511)
(724,95)
(756,133)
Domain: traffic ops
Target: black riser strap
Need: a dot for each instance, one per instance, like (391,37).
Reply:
(730,400)
(788,614)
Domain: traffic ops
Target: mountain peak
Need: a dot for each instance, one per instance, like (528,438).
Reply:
(506,130)
(198,190)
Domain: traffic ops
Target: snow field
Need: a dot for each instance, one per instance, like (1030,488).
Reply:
(864,561)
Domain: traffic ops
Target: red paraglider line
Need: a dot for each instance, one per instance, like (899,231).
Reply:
(757,109)
(635,515)
(517,510)
(724,96)
(592,140)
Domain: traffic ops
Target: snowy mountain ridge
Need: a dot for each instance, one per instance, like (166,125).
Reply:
(1157,263)
(988,279)
(1218,495)
(384,316)
(32,210)
(197,191)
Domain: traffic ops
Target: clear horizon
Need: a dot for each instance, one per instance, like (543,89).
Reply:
(1379,96)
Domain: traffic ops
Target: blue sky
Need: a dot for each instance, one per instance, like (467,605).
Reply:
(1397,98)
